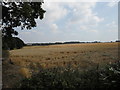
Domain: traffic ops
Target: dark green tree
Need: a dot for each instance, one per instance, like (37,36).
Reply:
(11,43)
(19,14)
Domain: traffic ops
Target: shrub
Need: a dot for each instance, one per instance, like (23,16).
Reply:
(10,43)
(110,76)
(68,77)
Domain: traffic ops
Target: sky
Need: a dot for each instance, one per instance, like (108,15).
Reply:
(74,21)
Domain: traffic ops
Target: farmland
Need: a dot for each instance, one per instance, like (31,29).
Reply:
(83,55)
(31,58)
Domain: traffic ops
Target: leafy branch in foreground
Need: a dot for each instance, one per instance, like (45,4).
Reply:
(20,14)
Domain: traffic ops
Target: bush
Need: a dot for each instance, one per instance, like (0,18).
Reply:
(10,43)
(108,77)
(111,76)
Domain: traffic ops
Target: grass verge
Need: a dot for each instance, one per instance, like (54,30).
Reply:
(108,77)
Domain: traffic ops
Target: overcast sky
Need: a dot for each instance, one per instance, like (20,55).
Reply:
(75,21)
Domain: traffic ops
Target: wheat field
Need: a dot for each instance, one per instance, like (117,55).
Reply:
(83,55)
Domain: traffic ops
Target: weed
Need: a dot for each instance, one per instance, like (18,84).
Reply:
(108,77)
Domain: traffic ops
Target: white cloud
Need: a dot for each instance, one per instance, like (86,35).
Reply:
(112,4)
(54,28)
(112,24)
(94,31)
(87,29)
(112,27)
(88,15)
(77,14)
(55,11)
(83,28)
(83,15)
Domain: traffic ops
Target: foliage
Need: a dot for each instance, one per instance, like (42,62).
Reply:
(20,14)
(61,78)
(10,43)
(111,75)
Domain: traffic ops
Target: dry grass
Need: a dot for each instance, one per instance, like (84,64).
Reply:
(83,55)
(25,72)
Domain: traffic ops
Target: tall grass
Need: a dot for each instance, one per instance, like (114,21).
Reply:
(108,77)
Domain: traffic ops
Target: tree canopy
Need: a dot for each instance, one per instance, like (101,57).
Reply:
(18,14)
(23,14)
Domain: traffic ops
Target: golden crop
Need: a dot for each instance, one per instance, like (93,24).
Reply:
(82,55)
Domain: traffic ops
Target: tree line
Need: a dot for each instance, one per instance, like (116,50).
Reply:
(71,42)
